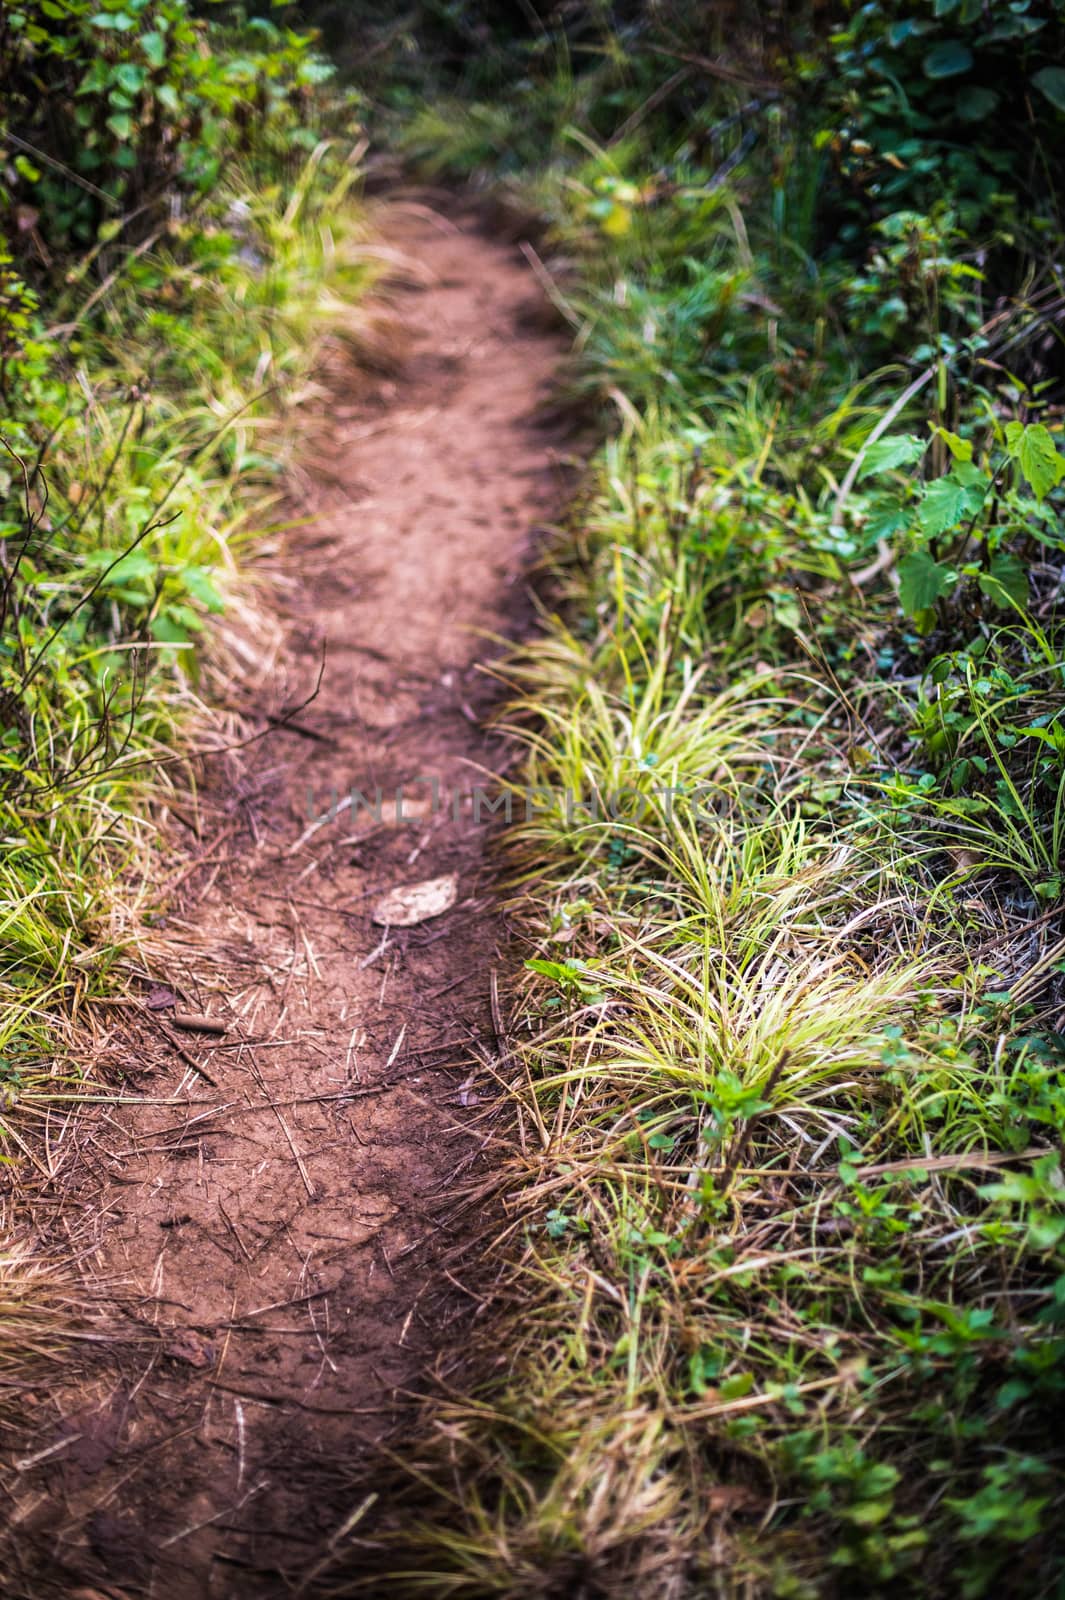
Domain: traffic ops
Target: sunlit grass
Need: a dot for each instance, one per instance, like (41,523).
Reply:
(152,495)
(765,1088)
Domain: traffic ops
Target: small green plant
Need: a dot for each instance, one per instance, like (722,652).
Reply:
(964,524)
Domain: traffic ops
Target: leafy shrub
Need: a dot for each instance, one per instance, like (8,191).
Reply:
(118,110)
(948,97)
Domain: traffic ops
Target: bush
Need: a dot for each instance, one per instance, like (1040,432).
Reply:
(119,112)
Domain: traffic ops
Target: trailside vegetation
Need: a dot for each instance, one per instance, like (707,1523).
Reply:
(783,1259)
(175,230)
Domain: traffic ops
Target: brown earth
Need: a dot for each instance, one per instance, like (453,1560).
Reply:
(272,1236)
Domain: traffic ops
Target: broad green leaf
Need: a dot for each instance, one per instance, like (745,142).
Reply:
(947,500)
(923,581)
(1013,28)
(118,21)
(316,71)
(121,125)
(129,77)
(895,450)
(1006,580)
(184,616)
(154,46)
(1035,452)
(134,568)
(735,1388)
(1051,82)
(947,60)
(94,80)
(886,516)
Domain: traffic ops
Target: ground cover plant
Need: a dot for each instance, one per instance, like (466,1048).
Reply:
(177,231)
(786,1203)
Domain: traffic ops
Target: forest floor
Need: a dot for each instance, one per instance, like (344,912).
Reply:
(262,1227)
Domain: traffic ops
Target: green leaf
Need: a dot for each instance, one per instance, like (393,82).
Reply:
(121,125)
(316,71)
(886,516)
(137,567)
(118,21)
(1005,580)
(552,969)
(198,583)
(961,449)
(129,77)
(1013,28)
(556,1222)
(1035,452)
(1051,82)
(946,500)
(947,60)
(154,46)
(895,450)
(167,631)
(974,104)
(735,1388)
(923,581)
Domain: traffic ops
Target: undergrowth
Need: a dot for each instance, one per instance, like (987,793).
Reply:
(157,324)
(783,1263)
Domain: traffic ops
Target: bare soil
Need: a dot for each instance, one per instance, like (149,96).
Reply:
(272,1240)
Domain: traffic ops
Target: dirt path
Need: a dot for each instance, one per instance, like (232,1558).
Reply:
(278,1229)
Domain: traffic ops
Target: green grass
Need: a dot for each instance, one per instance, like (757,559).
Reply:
(122,551)
(780,1283)
(788,1185)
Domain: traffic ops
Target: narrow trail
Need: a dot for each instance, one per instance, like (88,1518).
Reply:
(276,1233)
